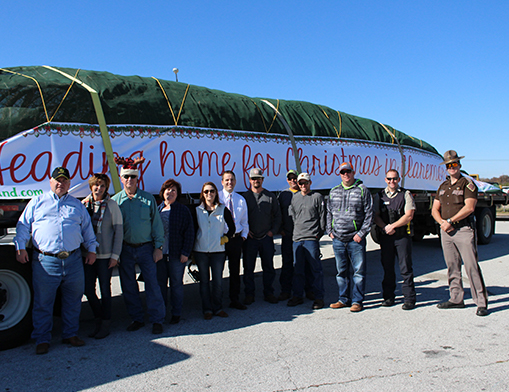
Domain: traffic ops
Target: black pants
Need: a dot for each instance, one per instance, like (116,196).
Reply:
(233,250)
(402,248)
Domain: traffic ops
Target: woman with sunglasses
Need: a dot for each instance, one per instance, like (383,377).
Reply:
(177,246)
(107,222)
(213,220)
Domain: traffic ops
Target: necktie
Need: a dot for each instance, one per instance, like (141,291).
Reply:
(229,205)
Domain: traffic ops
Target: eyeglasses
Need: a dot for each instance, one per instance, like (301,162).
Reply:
(452,164)
(347,171)
(392,178)
(207,191)
(128,176)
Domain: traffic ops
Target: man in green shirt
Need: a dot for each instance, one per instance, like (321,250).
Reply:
(143,243)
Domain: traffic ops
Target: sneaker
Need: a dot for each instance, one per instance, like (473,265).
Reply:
(294,301)
(388,302)
(135,325)
(318,304)
(450,305)
(283,296)
(271,299)
(408,306)
(338,305)
(157,328)
(356,307)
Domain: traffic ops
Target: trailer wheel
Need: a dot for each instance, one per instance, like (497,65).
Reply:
(485,225)
(375,234)
(15,301)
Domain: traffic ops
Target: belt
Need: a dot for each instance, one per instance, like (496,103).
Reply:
(61,255)
(137,245)
(461,223)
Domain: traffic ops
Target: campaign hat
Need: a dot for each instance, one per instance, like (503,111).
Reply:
(450,157)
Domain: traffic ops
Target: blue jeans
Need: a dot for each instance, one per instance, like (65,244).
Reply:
(206,262)
(172,268)
(99,270)
(49,273)
(265,247)
(307,252)
(350,262)
(155,305)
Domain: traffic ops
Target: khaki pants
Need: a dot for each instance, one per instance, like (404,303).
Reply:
(461,245)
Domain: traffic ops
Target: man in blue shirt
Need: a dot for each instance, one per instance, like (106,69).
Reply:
(143,245)
(58,224)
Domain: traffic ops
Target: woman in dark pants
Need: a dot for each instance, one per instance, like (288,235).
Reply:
(177,247)
(107,222)
(213,221)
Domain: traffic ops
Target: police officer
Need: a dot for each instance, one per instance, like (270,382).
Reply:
(394,209)
(453,209)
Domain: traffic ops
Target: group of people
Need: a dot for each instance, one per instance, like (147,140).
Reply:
(77,243)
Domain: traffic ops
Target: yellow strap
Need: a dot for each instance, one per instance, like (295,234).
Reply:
(261,115)
(38,86)
(274,118)
(389,132)
(65,95)
(175,120)
(403,163)
(338,134)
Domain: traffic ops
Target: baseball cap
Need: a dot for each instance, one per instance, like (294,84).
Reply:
(294,172)
(346,166)
(303,176)
(256,173)
(60,172)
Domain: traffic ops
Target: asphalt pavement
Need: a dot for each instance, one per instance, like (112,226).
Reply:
(273,347)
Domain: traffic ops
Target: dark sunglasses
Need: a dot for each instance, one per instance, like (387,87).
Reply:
(392,178)
(127,176)
(207,191)
(292,178)
(452,164)
(345,171)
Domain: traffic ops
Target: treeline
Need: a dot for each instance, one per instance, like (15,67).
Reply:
(502,180)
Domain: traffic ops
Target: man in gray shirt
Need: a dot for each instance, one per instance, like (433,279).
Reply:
(308,212)
(264,219)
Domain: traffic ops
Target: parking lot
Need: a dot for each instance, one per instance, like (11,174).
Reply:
(272,347)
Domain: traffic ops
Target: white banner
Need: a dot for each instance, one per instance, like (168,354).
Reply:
(193,156)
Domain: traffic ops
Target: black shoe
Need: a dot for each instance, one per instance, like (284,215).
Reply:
(388,302)
(482,311)
(310,295)
(42,348)
(157,328)
(175,319)
(271,299)
(134,326)
(294,301)
(237,305)
(284,296)
(249,300)
(450,305)
(318,304)
(408,306)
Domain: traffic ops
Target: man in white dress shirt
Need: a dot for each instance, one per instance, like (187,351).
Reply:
(238,207)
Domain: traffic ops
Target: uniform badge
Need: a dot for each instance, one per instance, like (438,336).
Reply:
(471,186)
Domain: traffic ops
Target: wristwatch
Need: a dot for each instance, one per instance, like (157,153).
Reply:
(160,248)
(449,221)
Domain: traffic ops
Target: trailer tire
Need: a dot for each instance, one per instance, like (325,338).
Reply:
(16,300)
(485,225)
(375,234)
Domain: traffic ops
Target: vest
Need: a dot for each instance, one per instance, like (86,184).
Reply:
(392,209)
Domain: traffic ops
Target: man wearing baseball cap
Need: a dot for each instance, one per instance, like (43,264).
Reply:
(59,224)
(349,216)
(264,219)
(453,209)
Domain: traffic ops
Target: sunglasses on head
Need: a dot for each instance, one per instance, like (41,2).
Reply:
(127,176)
(392,178)
(207,191)
(347,171)
(452,164)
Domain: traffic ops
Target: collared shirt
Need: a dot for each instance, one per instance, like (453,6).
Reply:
(239,211)
(409,200)
(142,222)
(452,197)
(56,224)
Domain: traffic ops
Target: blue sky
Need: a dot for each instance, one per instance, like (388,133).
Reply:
(436,70)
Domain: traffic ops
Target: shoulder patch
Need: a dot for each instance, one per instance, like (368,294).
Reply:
(471,186)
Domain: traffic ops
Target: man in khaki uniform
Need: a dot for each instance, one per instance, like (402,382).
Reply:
(453,209)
